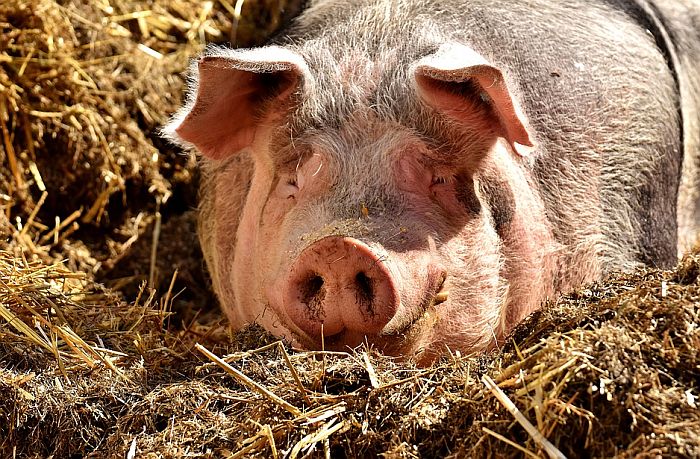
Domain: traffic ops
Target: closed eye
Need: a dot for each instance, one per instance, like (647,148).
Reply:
(288,187)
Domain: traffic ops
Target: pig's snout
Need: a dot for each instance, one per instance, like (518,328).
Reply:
(339,284)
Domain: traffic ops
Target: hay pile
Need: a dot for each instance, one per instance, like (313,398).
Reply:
(89,193)
(611,370)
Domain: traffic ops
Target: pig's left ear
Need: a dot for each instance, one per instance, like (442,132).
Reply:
(232,92)
(460,83)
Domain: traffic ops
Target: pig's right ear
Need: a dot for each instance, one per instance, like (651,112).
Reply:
(462,84)
(232,92)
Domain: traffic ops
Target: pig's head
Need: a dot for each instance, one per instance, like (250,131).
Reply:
(357,200)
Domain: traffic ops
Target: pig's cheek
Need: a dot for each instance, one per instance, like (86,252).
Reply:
(476,291)
(274,255)
(272,240)
(241,270)
(253,249)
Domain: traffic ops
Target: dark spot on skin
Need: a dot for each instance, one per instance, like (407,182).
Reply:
(464,190)
(501,202)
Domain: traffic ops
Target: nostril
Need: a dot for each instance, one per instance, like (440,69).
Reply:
(311,288)
(365,291)
(313,293)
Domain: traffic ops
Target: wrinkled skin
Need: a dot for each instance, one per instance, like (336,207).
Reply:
(421,179)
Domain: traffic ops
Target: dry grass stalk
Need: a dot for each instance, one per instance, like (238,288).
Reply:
(246,381)
(370,371)
(510,442)
(323,433)
(522,420)
(294,373)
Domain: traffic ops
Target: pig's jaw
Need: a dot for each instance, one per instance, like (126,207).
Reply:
(466,313)
(428,337)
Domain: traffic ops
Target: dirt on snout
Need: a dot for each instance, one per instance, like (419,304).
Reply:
(112,346)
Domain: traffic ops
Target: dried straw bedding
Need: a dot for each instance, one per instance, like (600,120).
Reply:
(95,219)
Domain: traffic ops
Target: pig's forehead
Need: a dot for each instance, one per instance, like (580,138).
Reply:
(360,133)
(366,133)
(363,119)
(355,89)
(361,130)
(370,67)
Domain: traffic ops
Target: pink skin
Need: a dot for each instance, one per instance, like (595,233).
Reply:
(432,273)
(490,284)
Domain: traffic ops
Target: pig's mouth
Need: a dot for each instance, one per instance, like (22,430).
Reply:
(434,293)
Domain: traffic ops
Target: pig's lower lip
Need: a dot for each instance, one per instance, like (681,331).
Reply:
(414,334)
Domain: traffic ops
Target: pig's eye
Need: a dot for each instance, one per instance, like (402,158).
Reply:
(437,180)
(292,187)
(441,186)
(288,187)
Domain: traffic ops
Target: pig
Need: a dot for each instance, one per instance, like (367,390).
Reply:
(420,176)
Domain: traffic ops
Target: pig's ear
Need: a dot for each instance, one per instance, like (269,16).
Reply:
(460,83)
(232,93)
